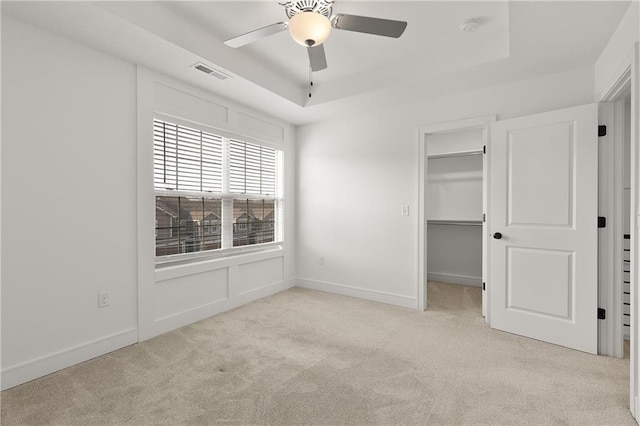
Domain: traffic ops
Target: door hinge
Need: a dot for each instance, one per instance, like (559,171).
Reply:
(484,217)
(484,149)
(602,222)
(602,130)
(484,286)
(602,313)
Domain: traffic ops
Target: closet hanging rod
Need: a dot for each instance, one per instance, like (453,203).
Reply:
(455,154)
(455,222)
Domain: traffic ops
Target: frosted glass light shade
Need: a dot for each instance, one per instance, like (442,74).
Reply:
(309,28)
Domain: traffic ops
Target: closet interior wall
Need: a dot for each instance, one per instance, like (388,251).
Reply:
(454,207)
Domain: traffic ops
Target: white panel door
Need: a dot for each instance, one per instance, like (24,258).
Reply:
(543,202)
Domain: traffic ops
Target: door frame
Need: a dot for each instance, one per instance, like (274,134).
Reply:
(611,206)
(629,69)
(483,123)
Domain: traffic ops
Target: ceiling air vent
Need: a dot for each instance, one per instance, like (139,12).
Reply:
(211,71)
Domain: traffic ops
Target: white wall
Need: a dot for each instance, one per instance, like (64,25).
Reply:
(78,218)
(355,173)
(454,188)
(454,254)
(68,202)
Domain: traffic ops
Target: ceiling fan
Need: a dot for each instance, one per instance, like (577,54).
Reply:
(310,22)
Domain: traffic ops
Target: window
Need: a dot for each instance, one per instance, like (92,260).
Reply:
(212,192)
(180,221)
(254,221)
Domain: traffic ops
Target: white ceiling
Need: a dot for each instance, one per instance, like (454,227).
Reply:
(515,40)
(432,40)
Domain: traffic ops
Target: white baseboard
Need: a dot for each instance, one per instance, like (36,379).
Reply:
(455,279)
(360,293)
(181,319)
(29,370)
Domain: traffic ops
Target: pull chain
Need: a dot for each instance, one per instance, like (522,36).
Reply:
(310,80)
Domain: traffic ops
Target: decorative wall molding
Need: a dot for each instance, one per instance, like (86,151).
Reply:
(181,319)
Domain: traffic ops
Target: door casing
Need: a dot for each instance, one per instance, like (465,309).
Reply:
(627,77)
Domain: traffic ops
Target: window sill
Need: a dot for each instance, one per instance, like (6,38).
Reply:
(181,268)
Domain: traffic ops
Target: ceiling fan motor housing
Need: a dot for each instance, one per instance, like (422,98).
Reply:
(323,7)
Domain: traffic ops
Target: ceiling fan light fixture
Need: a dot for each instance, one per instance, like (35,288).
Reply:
(309,28)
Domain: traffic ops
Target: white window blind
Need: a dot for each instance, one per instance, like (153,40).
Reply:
(252,168)
(186,159)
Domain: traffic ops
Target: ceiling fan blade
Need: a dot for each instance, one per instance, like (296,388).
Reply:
(317,58)
(365,24)
(255,35)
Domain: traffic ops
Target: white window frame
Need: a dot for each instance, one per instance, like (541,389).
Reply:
(227,198)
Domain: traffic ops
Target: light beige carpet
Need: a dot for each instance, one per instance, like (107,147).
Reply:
(306,357)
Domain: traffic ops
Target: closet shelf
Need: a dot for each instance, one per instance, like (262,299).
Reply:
(454,222)
(455,154)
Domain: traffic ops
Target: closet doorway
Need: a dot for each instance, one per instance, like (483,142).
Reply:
(453,173)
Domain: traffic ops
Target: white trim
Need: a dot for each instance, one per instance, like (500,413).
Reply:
(620,82)
(455,279)
(2,383)
(459,125)
(213,195)
(358,292)
(610,204)
(634,381)
(422,222)
(183,259)
(627,74)
(181,319)
(486,166)
(447,127)
(145,203)
(35,368)
(177,271)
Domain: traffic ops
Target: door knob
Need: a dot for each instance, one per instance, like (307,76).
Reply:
(497,235)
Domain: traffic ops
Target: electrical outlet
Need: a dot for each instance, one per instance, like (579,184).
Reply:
(405,210)
(320,260)
(103,299)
